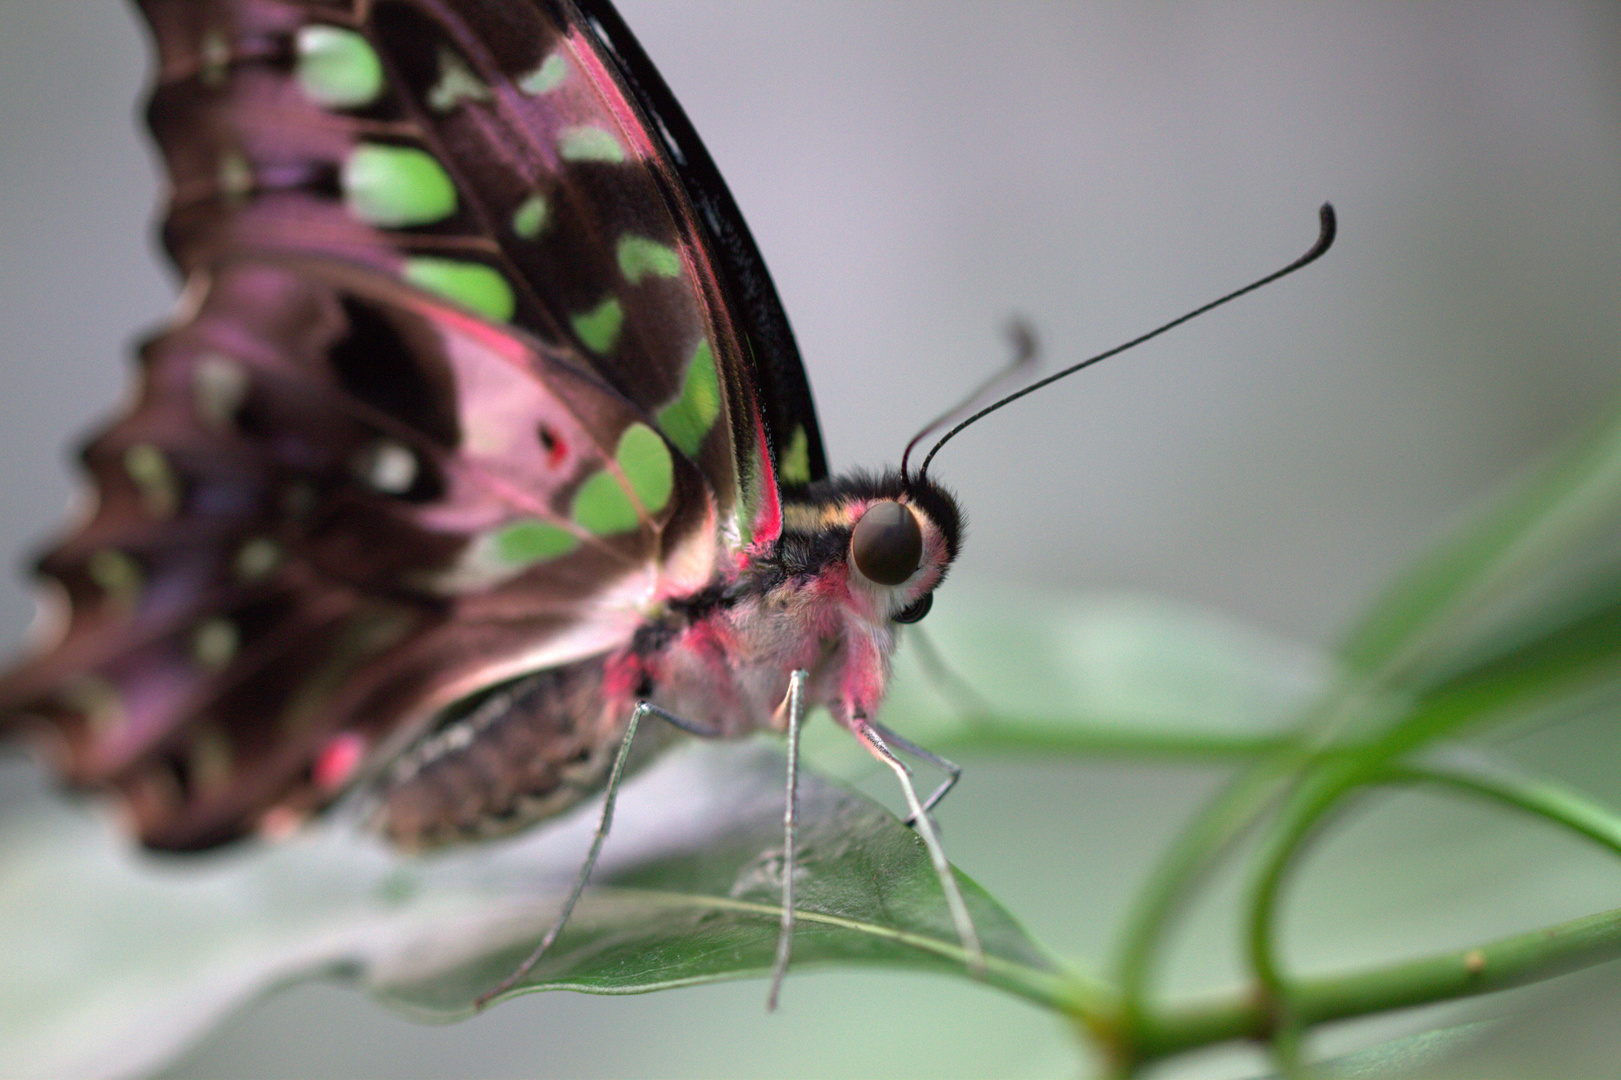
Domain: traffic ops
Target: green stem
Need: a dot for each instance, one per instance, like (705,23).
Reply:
(1191,855)
(1499,965)
(1533,795)
(1567,661)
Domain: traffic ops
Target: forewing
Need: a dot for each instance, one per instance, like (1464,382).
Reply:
(497,153)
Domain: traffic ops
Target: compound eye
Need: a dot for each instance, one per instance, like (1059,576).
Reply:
(887,543)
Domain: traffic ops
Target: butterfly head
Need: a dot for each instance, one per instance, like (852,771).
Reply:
(896,539)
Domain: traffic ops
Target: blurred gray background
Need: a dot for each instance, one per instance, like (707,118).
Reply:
(914,174)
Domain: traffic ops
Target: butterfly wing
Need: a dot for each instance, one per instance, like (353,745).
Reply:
(523,158)
(462,391)
(770,367)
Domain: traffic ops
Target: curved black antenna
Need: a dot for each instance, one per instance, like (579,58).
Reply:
(1023,337)
(1326,227)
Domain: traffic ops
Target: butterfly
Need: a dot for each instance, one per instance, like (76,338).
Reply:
(480,436)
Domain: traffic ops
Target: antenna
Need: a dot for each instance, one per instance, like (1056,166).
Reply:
(1023,337)
(1326,228)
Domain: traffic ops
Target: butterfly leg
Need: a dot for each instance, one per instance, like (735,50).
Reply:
(603,824)
(952,770)
(681,723)
(872,737)
(790,833)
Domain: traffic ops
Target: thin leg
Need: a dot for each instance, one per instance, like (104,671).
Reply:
(603,824)
(873,741)
(681,723)
(952,770)
(790,831)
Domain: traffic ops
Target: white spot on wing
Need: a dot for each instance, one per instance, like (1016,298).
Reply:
(256,558)
(214,643)
(386,466)
(219,386)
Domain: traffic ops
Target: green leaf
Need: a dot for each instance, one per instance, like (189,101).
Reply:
(1088,676)
(689,892)
(700,902)
(129,958)
(1530,527)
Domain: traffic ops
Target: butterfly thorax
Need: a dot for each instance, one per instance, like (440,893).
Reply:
(801,603)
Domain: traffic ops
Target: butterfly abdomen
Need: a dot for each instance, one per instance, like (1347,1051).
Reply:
(522,753)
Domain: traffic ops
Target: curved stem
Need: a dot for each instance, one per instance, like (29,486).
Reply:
(1566,499)
(1539,797)
(1192,855)
(1486,968)
(1565,661)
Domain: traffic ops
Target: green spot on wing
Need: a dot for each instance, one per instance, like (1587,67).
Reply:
(794,466)
(530,217)
(234,176)
(548,76)
(219,386)
(639,257)
(603,507)
(159,488)
(599,327)
(118,575)
(214,642)
(525,542)
(688,419)
(215,52)
(589,144)
(337,68)
(395,186)
(256,558)
(97,699)
(456,84)
(647,464)
(472,285)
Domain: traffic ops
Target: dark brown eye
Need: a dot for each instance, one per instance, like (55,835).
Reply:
(887,543)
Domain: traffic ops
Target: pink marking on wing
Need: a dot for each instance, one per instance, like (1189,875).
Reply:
(624,114)
(337,761)
(768,516)
(503,343)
